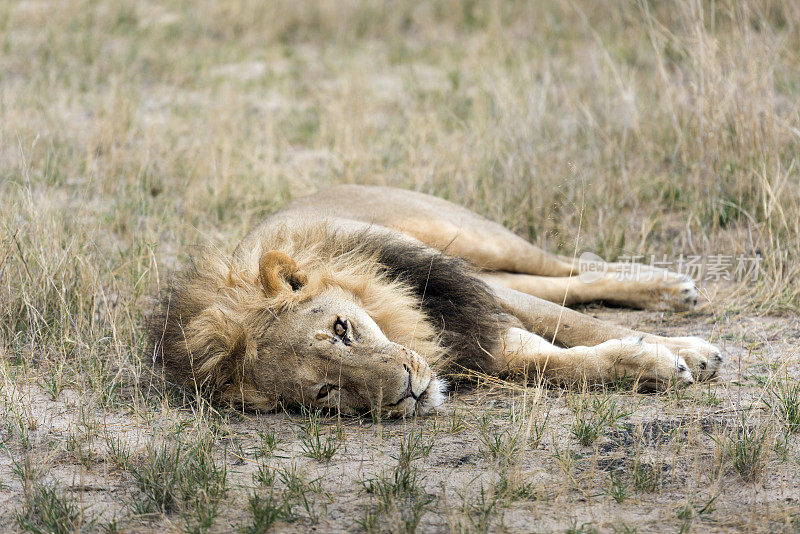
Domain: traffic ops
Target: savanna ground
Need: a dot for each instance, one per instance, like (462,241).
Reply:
(130,132)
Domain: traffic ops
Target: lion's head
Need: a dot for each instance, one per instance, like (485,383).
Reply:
(330,332)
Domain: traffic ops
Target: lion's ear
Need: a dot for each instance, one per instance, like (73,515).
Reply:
(279,273)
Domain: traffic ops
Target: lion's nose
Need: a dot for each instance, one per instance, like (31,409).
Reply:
(419,376)
(412,379)
(409,392)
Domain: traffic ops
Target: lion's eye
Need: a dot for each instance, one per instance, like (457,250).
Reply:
(340,327)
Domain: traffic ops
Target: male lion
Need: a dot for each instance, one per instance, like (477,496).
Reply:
(361,298)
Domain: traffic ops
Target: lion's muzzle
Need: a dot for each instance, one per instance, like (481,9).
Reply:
(420,392)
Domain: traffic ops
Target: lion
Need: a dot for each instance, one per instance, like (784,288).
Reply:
(361,298)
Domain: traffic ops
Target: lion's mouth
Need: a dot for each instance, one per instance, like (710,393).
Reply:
(428,400)
(409,392)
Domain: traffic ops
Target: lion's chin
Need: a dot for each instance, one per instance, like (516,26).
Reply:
(433,396)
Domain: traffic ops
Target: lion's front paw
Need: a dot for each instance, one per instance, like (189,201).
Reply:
(703,358)
(655,365)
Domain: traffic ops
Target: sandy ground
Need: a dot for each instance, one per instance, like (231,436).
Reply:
(567,484)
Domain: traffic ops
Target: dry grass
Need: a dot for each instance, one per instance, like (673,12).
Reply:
(132,131)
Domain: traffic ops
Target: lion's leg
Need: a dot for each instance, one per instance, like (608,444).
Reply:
(489,246)
(507,259)
(570,328)
(651,291)
(650,365)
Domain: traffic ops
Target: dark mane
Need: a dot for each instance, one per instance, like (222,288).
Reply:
(459,304)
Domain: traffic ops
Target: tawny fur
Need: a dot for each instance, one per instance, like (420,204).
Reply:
(270,323)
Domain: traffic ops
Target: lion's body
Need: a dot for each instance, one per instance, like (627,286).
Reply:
(413,276)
